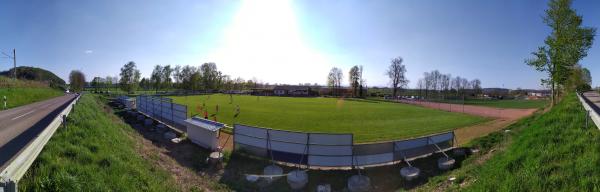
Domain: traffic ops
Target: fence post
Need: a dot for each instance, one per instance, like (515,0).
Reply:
(307,150)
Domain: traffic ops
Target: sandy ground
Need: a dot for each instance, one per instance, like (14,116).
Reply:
(502,118)
(226,140)
(474,110)
(466,134)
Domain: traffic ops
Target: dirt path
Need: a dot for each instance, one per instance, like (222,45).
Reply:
(466,134)
(227,140)
(474,110)
(502,118)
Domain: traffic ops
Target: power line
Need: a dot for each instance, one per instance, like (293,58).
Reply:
(14,58)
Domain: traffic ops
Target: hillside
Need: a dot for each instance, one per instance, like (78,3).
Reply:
(36,74)
(23,92)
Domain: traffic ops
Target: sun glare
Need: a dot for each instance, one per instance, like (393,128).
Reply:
(265,41)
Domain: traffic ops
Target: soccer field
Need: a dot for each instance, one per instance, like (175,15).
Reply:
(369,121)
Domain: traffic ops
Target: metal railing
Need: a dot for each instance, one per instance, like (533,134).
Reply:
(591,109)
(14,171)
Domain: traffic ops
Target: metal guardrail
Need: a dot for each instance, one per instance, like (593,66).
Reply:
(10,176)
(587,105)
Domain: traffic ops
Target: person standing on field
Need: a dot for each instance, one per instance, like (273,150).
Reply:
(4,99)
(237,111)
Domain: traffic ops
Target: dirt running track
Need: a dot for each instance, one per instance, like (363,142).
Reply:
(503,118)
(474,110)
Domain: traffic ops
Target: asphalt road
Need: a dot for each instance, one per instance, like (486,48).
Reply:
(594,98)
(18,126)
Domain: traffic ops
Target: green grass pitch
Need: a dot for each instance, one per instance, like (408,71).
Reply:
(369,121)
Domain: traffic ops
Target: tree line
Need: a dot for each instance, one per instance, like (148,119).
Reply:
(187,77)
(357,82)
(436,84)
(432,84)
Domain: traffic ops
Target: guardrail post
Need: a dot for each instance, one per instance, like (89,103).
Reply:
(587,117)
(64,120)
(8,186)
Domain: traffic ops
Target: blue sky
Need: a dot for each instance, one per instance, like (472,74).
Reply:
(287,41)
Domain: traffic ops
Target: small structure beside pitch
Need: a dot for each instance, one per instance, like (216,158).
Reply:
(204,132)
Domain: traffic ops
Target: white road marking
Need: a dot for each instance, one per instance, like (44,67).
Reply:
(23,115)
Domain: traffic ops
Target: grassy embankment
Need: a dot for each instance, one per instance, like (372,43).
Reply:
(20,92)
(94,153)
(368,120)
(553,151)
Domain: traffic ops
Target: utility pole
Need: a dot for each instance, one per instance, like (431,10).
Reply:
(14,64)
(14,58)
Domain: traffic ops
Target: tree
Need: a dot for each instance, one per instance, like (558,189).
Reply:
(195,81)
(156,77)
(362,81)
(130,77)
(354,78)
(177,74)
(476,84)
(565,46)
(190,77)
(587,76)
(210,75)
(396,73)
(420,86)
(144,84)
(96,83)
(334,80)
(456,84)
(331,81)
(166,76)
(445,83)
(76,80)
(109,82)
(580,79)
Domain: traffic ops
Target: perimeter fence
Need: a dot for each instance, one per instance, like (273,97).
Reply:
(333,150)
(163,109)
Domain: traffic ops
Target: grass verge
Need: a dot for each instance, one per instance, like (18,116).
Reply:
(94,153)
(554,151)
(22,96)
